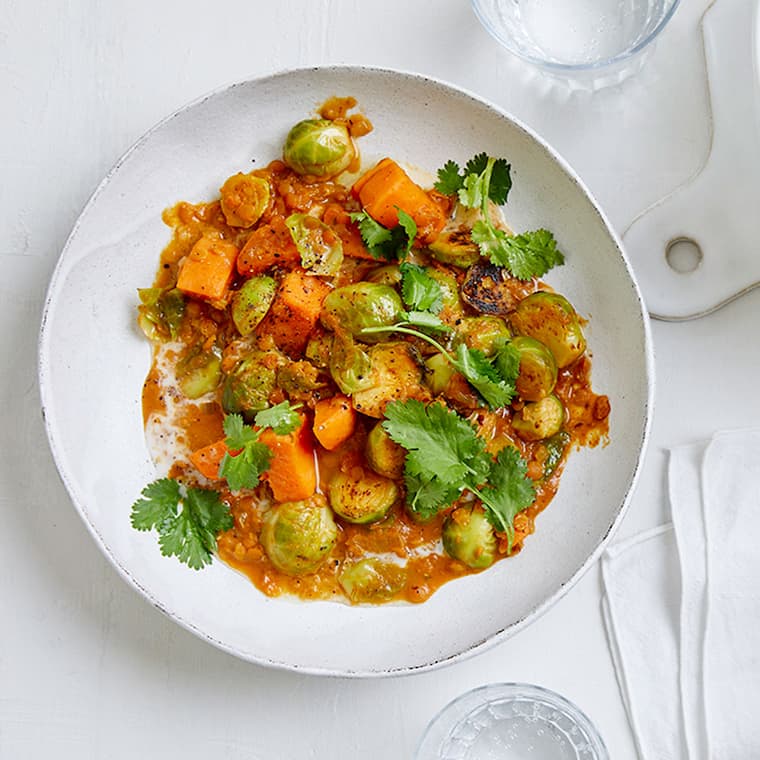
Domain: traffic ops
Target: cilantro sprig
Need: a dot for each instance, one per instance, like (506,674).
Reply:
(247,458)
(494,379)
(445,457)
(423,296)
(187,520)
(385,243)
(486,180)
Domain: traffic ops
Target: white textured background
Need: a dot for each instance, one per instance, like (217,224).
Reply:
(87,668)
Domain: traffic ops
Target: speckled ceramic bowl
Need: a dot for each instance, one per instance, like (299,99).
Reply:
(93,361)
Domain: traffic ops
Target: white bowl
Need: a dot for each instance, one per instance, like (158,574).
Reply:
(93,361)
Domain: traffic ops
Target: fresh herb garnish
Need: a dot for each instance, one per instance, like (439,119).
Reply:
(384,243)
(445,456)
(419,290)
(488,180)
(494,379)
(187,520)
(247,458)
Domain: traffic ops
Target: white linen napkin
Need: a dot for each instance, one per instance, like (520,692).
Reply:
(682,608)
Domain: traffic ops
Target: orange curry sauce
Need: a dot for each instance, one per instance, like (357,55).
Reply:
(200,423)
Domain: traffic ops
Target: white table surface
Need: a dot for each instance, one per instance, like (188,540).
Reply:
(88,669)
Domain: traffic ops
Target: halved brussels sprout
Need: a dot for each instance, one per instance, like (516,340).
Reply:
(350,366)
(244,198)
(319,349)
(160,312)
(371,580)
(539,419)
(396,374)
(320,248)
(439,373)
(538,369)
(361,497)
(551,319)
(364,304)
(454,244)
(298,535)
(383,454)
(318,147)
(469,537)
(199,372)
(386,275)
(251,303)
(247,388)
(487,333)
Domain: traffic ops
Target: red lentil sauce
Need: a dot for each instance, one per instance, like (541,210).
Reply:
(207,325)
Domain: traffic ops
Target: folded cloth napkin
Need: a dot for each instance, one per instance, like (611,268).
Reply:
(682,609)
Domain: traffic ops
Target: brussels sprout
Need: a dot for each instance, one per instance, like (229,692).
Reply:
(551,319)
(298,535)
(244,198)
(555,447)
(449,288)
(318,350)
(199,372)
(539,419)
(298,378)
(364,304)
(362,499)
(160,312)
(439,373)
(386,275)
(247,388)
(454,245)
(320,248)
(487,333)
(396,374)
(538,369)
(350,366)
(383,454)
(469,537)
(318,147)
(489,289)
(251,303)
(371,580)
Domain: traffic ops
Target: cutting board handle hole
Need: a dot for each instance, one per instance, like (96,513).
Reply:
(683,255)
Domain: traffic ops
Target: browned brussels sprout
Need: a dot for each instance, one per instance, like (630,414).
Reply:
(538,369)
(363,499)
(469,537)
(539,419)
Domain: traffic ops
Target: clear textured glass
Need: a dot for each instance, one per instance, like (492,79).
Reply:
(591,39)
(511,722)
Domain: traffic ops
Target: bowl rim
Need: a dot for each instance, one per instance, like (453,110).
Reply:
(569,68)
(46,401)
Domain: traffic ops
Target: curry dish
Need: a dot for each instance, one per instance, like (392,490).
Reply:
(366,372)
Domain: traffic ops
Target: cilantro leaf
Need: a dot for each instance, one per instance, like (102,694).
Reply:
(530,254)
(509,492)
(501,182)
(409,226)
(438,441)
(419,290)
(424,319)
(239,435)
(428,494)
(474,191)
(445,456)
(384,243)
(375,236)
(247,458)
(187,524)
(484,377)
(282,418)
(477,164)
(160,498)
(449,179)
